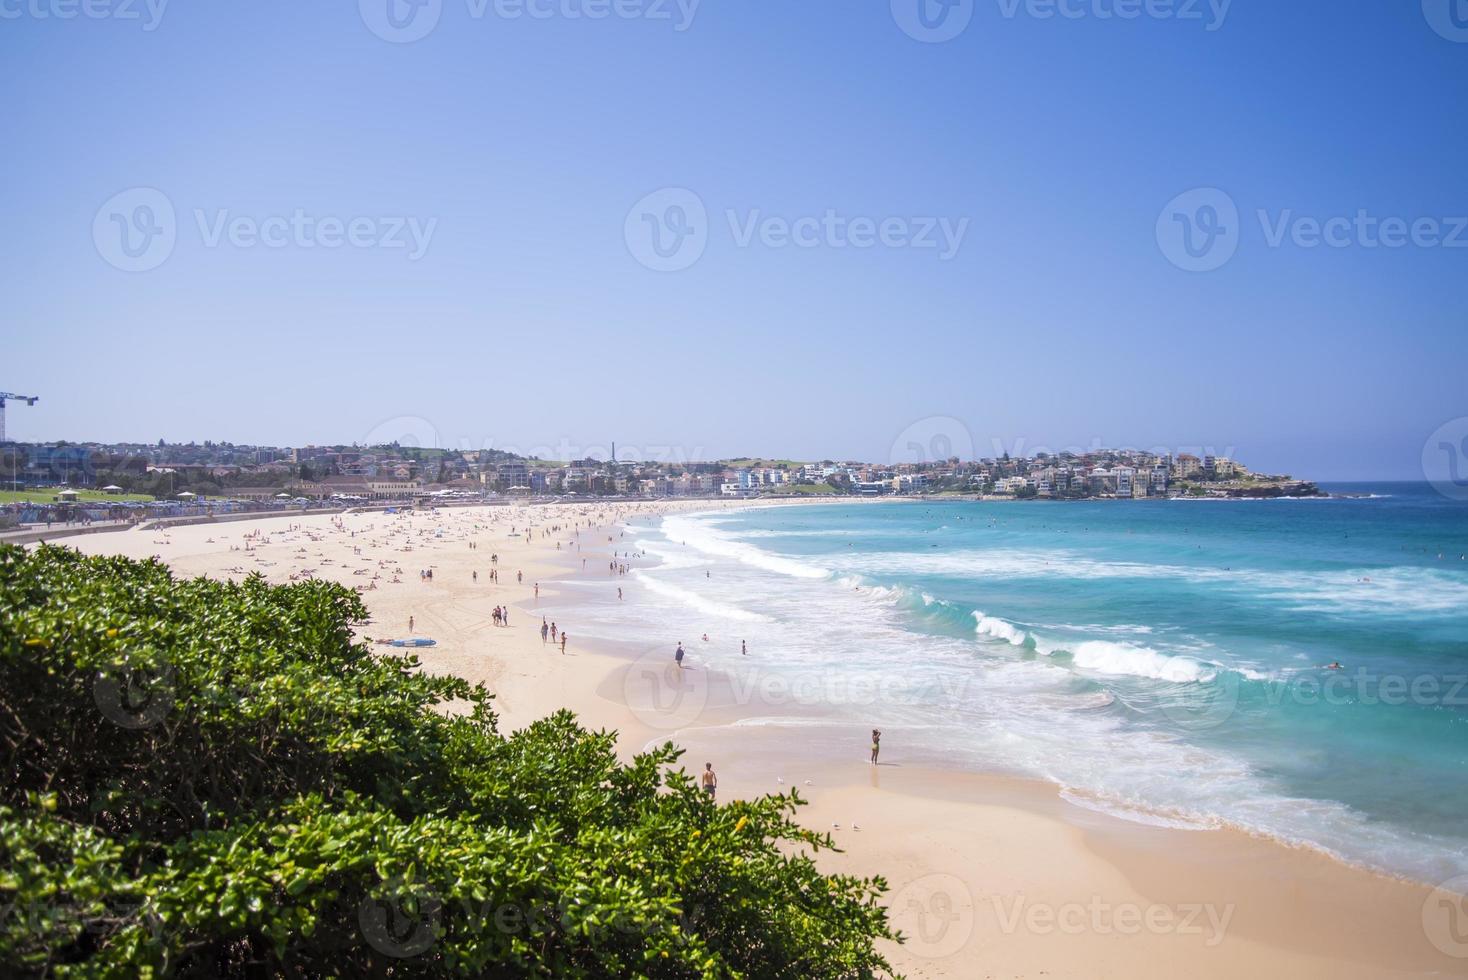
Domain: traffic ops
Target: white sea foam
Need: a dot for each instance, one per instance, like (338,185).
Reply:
(787,721)
(697,533)
(979,700)
(1405,588)
(1106,657)
(1173,820)
(693,600)
(998,629)
(1099,656)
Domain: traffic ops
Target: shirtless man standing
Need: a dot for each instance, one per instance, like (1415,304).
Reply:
(709,779)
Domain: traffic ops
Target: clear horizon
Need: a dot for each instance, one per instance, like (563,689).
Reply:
(723,229)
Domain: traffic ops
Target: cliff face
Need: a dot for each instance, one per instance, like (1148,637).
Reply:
(1299,488)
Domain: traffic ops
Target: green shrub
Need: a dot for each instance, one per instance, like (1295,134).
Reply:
(213,779)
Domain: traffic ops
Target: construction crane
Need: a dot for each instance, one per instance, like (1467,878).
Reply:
(7,395)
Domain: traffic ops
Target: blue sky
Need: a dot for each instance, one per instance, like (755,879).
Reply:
(1069,151)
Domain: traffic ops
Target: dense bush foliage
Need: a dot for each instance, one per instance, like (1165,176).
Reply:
(213,779)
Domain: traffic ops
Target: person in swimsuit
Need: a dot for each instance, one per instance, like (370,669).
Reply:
(678,654)
(710,780)
(876,744)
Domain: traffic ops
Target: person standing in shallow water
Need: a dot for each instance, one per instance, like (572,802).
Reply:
(876,744)
(678,654)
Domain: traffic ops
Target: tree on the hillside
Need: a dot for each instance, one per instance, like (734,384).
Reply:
(215,779)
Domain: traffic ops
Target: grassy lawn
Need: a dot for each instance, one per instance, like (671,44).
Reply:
(47,495)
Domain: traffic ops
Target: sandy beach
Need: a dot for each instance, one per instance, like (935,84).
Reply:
(990,876)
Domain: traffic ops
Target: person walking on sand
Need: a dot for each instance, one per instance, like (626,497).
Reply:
(564,634)
(876,744)
(710,780)
(678,654)
(544,629)
(410,624)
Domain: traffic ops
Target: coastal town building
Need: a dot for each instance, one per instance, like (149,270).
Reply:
(260,475)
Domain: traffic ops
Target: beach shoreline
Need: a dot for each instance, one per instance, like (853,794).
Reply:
(991,875)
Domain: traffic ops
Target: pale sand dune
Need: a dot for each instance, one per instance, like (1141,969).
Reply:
(991,877)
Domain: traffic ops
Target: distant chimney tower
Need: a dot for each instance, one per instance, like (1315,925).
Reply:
(614,452)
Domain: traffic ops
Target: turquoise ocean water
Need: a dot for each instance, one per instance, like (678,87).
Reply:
(1158,660)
